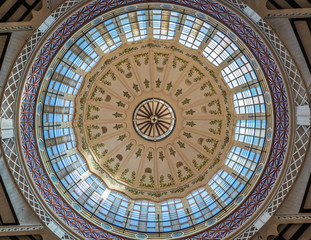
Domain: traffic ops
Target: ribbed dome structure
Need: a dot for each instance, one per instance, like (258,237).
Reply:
(154,120)
(108,104)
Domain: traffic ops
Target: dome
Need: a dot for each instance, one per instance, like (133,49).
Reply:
(154,120)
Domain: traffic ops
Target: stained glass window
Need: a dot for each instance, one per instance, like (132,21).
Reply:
(106,36)
(173,215)
(225,186)
(202,205)
(250,131)
(238,72)
(249,101)
(242,161)
(219,49)
(143,216)
(164,24)
(134,25)
(194,32)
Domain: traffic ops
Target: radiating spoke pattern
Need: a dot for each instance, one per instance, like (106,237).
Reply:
(154,119)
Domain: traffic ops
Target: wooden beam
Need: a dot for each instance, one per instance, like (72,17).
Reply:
(16,222)
(29,9)
(5,47)
(293,3)
(302,209)
(300,231)
(11,11)
(292,22)
(275,4)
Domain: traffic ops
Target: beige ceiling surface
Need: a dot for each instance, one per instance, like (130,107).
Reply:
(196,146)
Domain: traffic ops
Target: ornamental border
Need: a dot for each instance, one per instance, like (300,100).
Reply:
(299,92)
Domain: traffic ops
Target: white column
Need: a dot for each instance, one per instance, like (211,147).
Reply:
(7,128)
(303,115)
(263,218)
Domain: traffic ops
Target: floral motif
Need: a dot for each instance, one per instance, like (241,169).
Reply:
(212,145)
(190,112)
(188,175)
(183,62)
(125,62)
(117,115)
(96,90)
(142,182)
(106,75)
(151,45)
(128,50)
(174,48)
(169,86)
(128,180)
(141,55)
(129,146)
(135,87)
(181,144)
(161,155)
(219,124)
(138,153)
(170,183)
(147,83)
(90,133)
(126,94)
(158,83)
(120,104)
(164,57)
(186,101)
(198,72)
(88,113)
(97,152)
(187,135)
(203,163)
(172,151)
(149,156)
(122,137)
(217,103)
(118,126)
(190,124)
(178,92)
(111,169)
(211,91)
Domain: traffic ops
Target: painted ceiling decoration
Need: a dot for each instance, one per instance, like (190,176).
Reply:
(117,115)
(154,120)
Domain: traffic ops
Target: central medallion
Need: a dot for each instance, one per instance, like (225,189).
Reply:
(154,119)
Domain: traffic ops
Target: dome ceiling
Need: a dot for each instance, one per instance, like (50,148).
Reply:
(154,122)
(164,130)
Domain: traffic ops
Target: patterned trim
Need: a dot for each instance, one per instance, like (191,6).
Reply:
(16,28)
(64,31)
(22,228)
